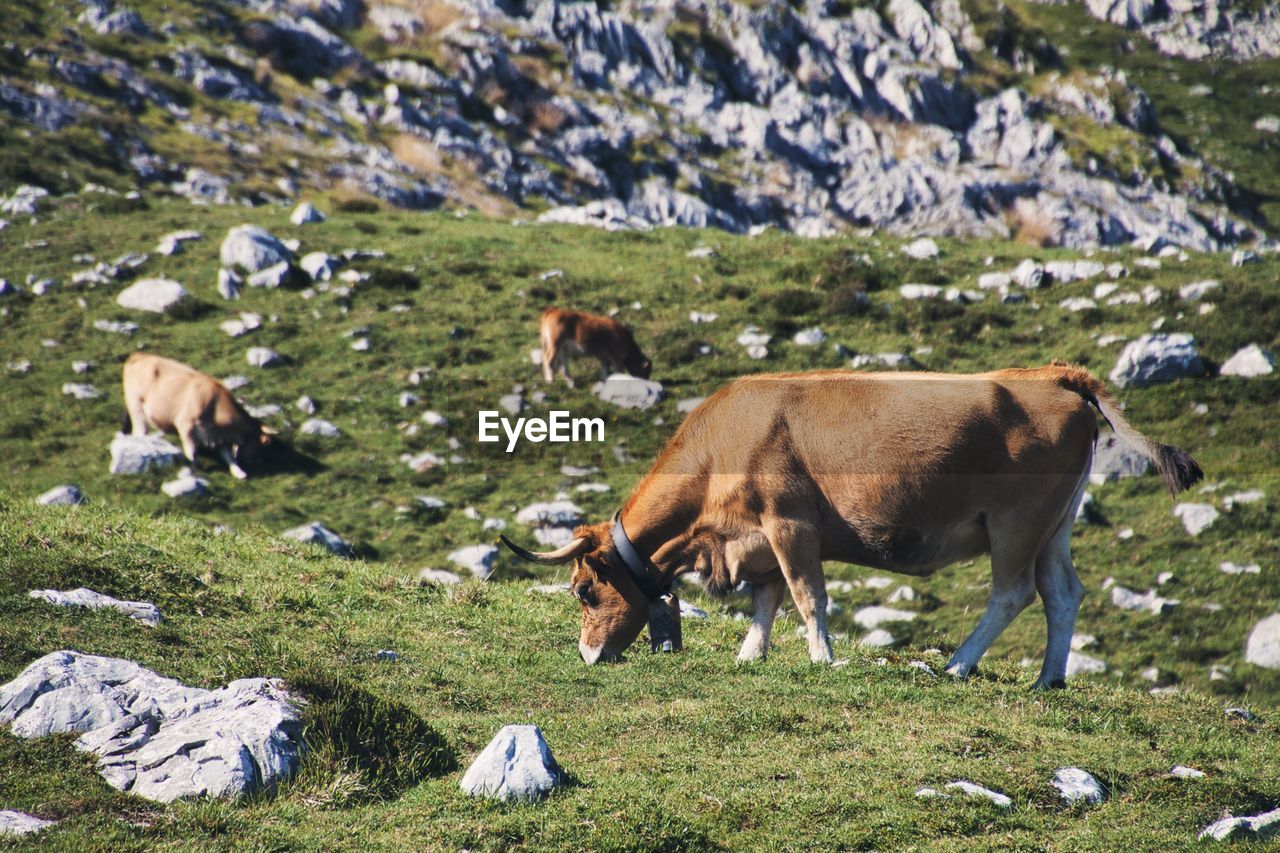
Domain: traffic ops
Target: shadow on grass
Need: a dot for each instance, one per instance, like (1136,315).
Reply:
(382,742)
(284,458)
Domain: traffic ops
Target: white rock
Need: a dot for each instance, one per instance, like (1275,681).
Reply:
(1196,518)
(229,284)
(1149,601)
(1078,786)
(422,462)
(1076,304)
(306,213)
(758,352)
(186,485)
(513,404)
(251,249)
(134,454)
(970,789)
(244,325)
(920,291)
(14,823)
(1082,641)
(516,765)
(701,252)
(1197,290)
(1260,827)
(142,611)
(477,559)
(438,577)
(1181,771)
(689,611)
(1263,646)
(921,249)
(80,390)
(272,277)
(994,280)
(67,495)
(434,419)
(319,266)
(316,533)
(1102,291)
(628,392)
(697,318)
(753,336)
(809,337)
(319,427)
(875,616)
(1250,496)
(1229,568)
(233,383)
(1029,274)
(878,638)
(560,513)
(263,357)
(1082,664)
(1157,358)
(1251,361)
(902,593)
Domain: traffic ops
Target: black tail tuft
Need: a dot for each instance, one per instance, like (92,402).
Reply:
(126,423)
(1179,470)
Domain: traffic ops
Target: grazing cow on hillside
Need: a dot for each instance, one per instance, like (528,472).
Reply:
(570,334)
(163,394)
(906,472)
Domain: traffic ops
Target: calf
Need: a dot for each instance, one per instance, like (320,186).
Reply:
(898,471)
(571,334)
(163,394)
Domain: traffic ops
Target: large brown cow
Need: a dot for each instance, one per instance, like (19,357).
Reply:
(163,394)
(906,472)
(570,334)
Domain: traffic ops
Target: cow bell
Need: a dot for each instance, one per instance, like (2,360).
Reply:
(664,624)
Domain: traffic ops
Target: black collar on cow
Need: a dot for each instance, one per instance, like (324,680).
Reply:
(644,573)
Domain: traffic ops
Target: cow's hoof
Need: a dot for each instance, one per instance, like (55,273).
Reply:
(238,473)
(1056,684)
(960,671)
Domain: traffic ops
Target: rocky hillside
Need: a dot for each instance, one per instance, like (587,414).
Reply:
(1061,124)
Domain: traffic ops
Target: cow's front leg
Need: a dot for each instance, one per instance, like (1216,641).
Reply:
(548,362)
(230,459)
(796,548)
(765,598)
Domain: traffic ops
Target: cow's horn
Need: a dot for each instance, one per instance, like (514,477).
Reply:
(550,558)
(266,430)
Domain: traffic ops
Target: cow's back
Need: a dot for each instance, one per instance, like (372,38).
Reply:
(170,392)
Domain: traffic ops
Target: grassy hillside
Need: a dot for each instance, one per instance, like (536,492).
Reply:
(666,752)
(461,296)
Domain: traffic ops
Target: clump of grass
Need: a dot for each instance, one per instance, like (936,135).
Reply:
(364,746)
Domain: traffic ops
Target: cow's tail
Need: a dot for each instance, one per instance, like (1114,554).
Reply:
(1178,470)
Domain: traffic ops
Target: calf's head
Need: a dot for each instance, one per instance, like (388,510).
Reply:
(637,364)
(614,610)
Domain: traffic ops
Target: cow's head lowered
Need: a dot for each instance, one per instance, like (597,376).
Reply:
(614,610)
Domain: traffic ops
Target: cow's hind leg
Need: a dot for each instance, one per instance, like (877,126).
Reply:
(1012,589)
(1061,591)
(765,598)
(798,554)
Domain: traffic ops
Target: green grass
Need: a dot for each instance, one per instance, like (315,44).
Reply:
(665,752)
(674,752)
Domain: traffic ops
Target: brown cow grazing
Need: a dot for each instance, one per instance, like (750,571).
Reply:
(163,394)
(571,334)
(906,472)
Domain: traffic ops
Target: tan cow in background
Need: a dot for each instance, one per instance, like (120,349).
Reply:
(163,394)
(571,334)
(906,472)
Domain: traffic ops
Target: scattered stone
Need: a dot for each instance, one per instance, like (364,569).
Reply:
(1081,664)
(758,352)
(1250,361)
(243,326)
(512,404)
(171,243)
(477,559)
(628,392)
(155,295)
(272,277)
(923,667)
(809,337)
(1260,827)
(994,280)
(1181,771)
(1196,291)
(143,611)
(695,317)
(186,485)
(305,214)
(67,495)
(13,823)
(386,656)
(875,616)
(422,462)
(251,249)
(233,383)
(1196,518)
(902,593)
(1263,646)
(701,252)
(319,266)
(1078,786)
(690,611)
(1149,601)
(921,249)
(878,638)
(318,427)
(1242,714)
(438,577)
(971,789)
(1029,274)
(915,292)
(316,533)
(229,284)
(1157,358)
(516,765)
(1250,496)
(752,336)
(1229,568)
(263,357)
(560,513)
(135,454)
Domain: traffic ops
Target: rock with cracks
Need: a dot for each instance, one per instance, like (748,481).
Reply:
(516,765)
(143,611)
(135,454)
(1078,786)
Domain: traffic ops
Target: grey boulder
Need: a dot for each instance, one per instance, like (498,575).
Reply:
(1263,646)
(252,249)
(306,213)
(1248,362)
(516,765)
(1260,827)
(20,823)
(1157,358)
(67,495)
(477,559)
(316,533)
(135,454)
(155,295)
(1078,786)
(143,611)
(628,392)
